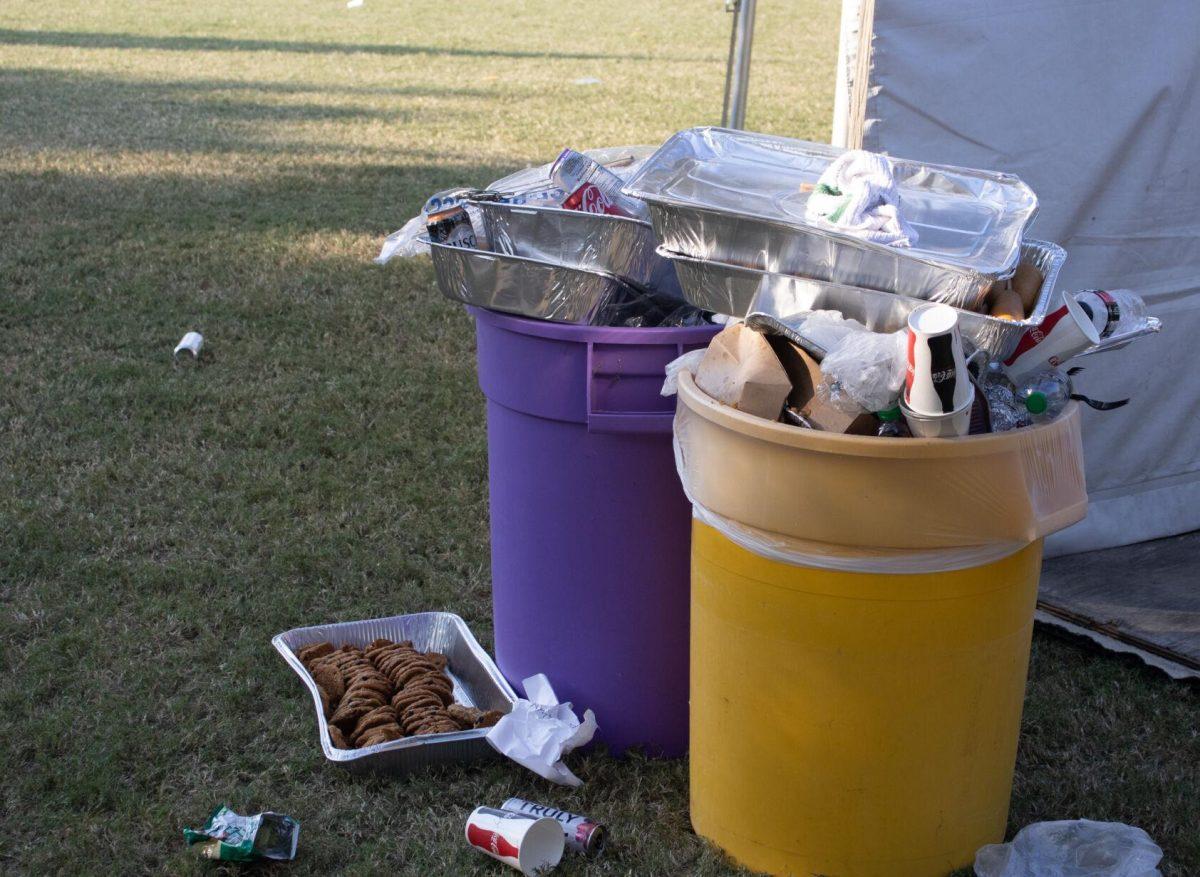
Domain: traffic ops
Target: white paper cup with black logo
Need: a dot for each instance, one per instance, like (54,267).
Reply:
(936,380)
(1061,335)
(532,846)
(951,425)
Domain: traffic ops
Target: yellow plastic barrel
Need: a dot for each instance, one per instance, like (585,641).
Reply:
(851,724)
(861,616)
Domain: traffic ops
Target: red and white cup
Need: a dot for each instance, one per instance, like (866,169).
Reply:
(532,846)
(936,380)
(1062,334)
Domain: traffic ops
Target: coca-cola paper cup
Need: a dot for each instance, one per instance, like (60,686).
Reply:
(936,381)
(532,846)
(956,423)
(1062,334)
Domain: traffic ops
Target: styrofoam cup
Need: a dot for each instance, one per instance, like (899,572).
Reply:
(532,846)
(952,425)
(1062,334)
(936,379)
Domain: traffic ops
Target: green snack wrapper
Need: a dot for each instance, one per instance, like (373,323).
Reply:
(231,837)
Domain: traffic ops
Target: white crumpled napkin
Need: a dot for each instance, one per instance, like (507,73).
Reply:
(540,731)
(857,194)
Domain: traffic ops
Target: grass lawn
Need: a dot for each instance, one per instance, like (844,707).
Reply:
(232,167)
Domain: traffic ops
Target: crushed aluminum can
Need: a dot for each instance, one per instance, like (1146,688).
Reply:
(583,835)
(452,227)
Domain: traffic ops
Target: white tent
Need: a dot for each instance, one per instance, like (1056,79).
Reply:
(1097,107)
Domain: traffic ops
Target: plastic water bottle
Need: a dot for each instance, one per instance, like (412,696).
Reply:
(891,424)
(1114,311)
(1045,395)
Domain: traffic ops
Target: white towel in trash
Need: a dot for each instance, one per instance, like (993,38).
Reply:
(540,731)
(857,194)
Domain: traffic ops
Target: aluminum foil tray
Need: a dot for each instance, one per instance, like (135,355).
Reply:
(527,287)
(739,198)
(768,299)
(477,682)
(613,245)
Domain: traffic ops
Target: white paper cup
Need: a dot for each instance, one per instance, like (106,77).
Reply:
(956,423)
(532,846)
(1062,334)
(191,342)
(936,380)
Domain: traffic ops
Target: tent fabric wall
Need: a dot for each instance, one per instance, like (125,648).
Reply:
(1097,106)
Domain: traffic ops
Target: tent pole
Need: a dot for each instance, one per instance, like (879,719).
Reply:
(737,77)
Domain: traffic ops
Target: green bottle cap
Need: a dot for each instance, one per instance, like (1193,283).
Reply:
(889,414)
(1035,403)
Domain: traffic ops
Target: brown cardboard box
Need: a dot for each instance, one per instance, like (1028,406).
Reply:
(804,372)
(741,370)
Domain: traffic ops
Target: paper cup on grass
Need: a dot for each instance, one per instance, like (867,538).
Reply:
(1062,334)
(936,379)
(952,425)
(532,846)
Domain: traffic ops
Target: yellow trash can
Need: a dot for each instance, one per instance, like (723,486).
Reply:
(855,711)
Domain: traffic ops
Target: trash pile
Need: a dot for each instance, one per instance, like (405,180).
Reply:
(559,242)
(911,298)
(905,298)
(797,289)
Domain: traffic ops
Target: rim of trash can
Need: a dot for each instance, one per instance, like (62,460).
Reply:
(596,334)
(817,441)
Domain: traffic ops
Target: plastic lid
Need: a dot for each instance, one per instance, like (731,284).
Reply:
(889,414)
(1035,403)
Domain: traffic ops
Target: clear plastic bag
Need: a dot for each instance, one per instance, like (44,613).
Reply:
(1072,848)
(865,371)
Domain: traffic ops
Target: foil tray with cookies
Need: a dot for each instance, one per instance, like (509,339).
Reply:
(396,694)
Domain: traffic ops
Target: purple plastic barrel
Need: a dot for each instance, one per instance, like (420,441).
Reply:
(590,529)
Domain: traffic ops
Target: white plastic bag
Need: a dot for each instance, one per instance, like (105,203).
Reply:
(1072,848)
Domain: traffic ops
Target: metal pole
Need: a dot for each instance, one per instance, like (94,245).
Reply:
(737,78)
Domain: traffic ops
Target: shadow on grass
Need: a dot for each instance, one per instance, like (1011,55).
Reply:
(116,113)
(86,40)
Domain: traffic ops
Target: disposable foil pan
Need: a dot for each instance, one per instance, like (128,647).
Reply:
(527,287)
(739,198)
(766,298)
(613,245)
(477,682)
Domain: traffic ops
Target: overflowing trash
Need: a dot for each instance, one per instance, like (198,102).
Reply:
(230,837)
(1072,848)
(560,242)
(899,306)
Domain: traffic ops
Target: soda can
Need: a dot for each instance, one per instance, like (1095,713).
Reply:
(452,226)
(530,844)
(936,379)
(582,835)
(591,187)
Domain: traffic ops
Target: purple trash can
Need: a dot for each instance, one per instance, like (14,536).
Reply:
(590,529)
